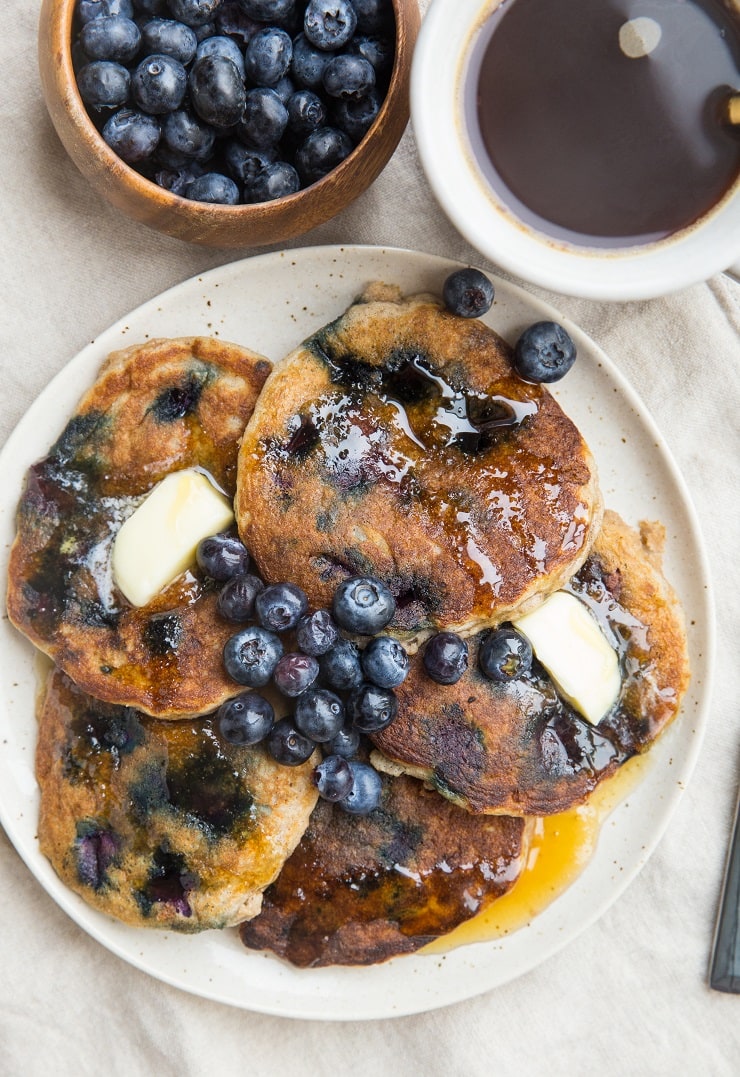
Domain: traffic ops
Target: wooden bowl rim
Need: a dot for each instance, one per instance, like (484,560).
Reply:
(406,15)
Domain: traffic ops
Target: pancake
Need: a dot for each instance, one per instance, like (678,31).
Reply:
(398,442)
(155,408)
(161,824)
(361,889)
(517,747)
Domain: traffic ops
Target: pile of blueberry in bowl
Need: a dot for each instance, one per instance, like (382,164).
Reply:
(229,122)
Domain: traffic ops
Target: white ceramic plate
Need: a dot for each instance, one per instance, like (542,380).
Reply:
(271,303)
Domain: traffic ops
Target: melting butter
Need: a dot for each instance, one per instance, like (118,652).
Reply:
(570,644)
(158,542)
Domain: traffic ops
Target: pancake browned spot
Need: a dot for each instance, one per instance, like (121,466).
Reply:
(398,442)
(161,824)
(517,747)
(154,409)
(361,889)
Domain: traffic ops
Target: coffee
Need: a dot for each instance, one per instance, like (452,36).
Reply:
(599,121)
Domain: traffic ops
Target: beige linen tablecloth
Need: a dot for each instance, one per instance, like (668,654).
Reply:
(629,995)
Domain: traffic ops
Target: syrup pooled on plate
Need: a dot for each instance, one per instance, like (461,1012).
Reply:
(600,123)
(560,848)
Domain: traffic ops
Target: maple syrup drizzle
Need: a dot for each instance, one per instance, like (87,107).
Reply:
(560,848)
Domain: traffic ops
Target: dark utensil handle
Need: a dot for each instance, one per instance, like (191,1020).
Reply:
(725,969)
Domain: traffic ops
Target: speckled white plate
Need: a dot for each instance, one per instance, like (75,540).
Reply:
(271,303)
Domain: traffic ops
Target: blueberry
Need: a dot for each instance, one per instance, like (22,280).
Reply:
(79,58)
(185,133)
(103,84)
(504,655)
(131,134)
(544,352)
(467,293)
(446,657)
(236,598)
(272,11)
(294,673)
(163,633)
(333,778)
(268,55)
(217,90)
(373,16)
(363,605)
(308,63)
(178,179)
(170,38)
(96,9)
(111,37)
(371,708)
(316,633)
(356,116)
(205,30)
(321,152)
(341,667)
(250,656)
(280,606)
(348,76)
(345,742)
(319,714)
(173,159)
(245,163)
(222,556)
(233,21)
(277,180)
(194,12)
(379,51)
(152,7)
(287,745)
(265,118)
(284,88)
(385,662)
(158,84)
(213,187)
(178,400)
(96,849)
(222,46)
(366,791)
(245,719)
(306,112)
(329,24)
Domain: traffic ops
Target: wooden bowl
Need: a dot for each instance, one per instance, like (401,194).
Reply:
(200,222)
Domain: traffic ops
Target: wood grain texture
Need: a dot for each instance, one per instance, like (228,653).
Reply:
(198,222)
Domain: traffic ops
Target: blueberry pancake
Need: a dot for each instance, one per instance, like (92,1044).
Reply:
(161,824)
(155,409)
(517,747)
(398,442)
(362,889)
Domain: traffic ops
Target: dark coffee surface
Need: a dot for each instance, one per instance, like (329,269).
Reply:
(595,146)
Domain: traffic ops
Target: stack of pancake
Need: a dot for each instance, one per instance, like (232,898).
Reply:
(397,442)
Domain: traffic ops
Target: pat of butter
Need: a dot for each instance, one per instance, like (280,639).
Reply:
(158,543)
(569,643)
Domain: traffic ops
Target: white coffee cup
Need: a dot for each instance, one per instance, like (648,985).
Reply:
(438,84)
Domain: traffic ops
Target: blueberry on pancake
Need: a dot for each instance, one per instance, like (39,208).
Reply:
(361,889)
(161,824)
(156,409)
(517,746)
(399,443)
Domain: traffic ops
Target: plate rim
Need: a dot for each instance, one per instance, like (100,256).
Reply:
(98,926)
